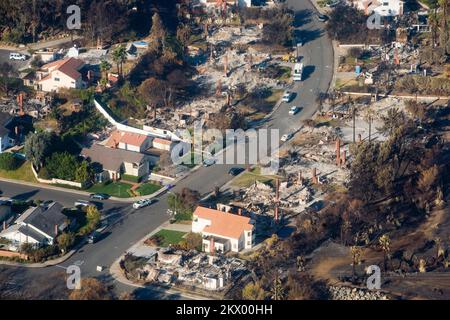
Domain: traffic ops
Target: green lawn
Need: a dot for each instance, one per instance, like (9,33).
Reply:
(23,173)
(115,189)
(170,236)
(148,188)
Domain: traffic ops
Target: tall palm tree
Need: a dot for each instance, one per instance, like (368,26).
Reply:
(385,244)
(119,57)
(105,66)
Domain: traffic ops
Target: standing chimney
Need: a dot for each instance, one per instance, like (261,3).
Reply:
(4,225)
(344,157)
(211,246)
(276,213)
(277,191)
(240,211)
(338,152)
(225,65)
(314,176)
(56,229)
(218,87)
(20,103)
(299,177)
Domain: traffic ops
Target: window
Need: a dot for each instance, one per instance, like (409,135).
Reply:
(385,4)
(234,246)
(249,233)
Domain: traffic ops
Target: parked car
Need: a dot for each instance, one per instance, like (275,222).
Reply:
(235,171)
(83,203)
(287,96)
(286,137)
(99,196)
(17,56)
(144,203)
(96,235)
(293,110)
(209,162)
(322,17)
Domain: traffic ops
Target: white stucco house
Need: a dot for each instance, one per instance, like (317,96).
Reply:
(223,231)
(61,74)
(385,8)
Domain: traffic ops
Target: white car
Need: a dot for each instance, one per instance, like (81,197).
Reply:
(286,137)
(293,110)
(83,203)
(143,203)
(209,162)
(17,56)
(287,96)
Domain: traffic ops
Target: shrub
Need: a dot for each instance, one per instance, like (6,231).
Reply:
(8,161)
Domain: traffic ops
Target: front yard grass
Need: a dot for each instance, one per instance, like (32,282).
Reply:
(147,188)
(115,189)
(23,173)
(170,237)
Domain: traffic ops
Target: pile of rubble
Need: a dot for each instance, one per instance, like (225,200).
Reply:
(347,293)
(191,268)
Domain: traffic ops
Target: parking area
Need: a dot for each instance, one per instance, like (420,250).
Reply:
(4,57)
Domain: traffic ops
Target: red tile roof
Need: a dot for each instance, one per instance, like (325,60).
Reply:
(133,139)
(222,223)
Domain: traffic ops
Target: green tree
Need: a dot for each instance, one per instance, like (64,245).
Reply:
(105,66)
(84,172)
(8,161)
(158,33)
(93,216)
(120,56)
(62,165)
(37,147)
(253,291)
(65,240)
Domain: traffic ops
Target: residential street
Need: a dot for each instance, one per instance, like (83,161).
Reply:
(131,225)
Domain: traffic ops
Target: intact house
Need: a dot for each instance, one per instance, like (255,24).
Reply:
(385,8)
(12,130)
(113,163)
(223,231)
(129,141)
(66,73)
(38,226)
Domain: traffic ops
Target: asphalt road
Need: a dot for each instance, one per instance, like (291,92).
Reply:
(132,225)
(4,57)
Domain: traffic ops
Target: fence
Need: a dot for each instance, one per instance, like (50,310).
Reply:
(57,181)
(11,254)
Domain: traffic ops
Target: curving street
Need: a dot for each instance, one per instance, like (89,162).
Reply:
(128,225)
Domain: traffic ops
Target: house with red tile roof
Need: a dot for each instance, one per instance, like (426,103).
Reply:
(223,231)
(61,74)
(129,141)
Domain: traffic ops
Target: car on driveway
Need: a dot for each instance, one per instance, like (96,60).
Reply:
(17,56)
(286,137)
(287,96)
(144,203)
(235,171)
(293,110)
(83,203)
(209,162)
(99,196)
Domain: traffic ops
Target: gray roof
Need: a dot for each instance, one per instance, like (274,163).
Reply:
(5,119)
(46,219)
(111,159)
(5,212)
(33,234)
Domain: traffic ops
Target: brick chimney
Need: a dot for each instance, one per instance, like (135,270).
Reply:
(314,176)
(299,181)
(56,229)
(225,65)
(338,151)
(344,157)
(4,225)
(211,246)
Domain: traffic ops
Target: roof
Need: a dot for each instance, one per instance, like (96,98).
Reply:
(162,141)
(45,219)
(5,212)
(68,66)
(134,139)
(30,232)
(222,223)
(111,158)
(5,119)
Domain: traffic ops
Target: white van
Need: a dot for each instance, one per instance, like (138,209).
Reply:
(17,56)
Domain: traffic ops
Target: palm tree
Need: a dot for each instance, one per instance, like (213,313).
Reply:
(105,66)
(277,289)
(356,259)
(385,244)
(119,57)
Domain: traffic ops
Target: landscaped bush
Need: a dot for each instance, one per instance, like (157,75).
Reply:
(154,241)
(8,161)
